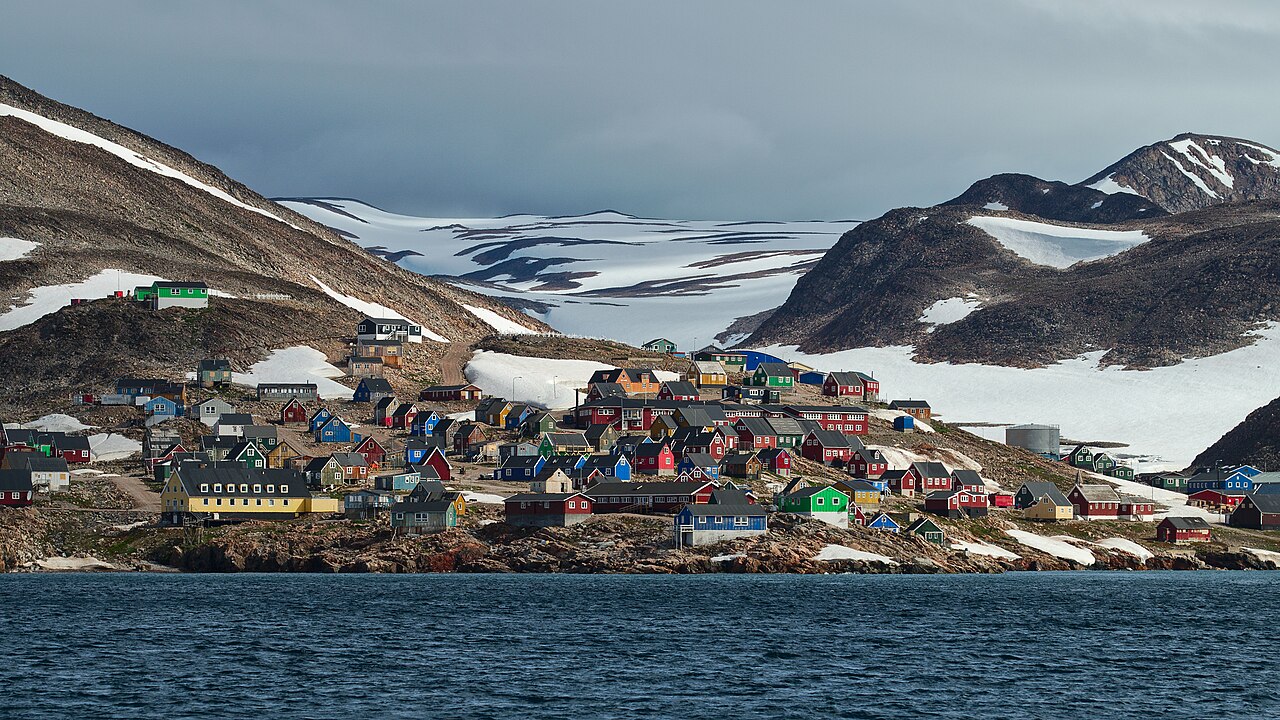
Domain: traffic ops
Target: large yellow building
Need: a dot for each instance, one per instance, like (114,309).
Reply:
(1048,509)
(238,493)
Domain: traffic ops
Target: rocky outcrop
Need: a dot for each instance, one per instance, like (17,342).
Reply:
(1053,200)
(1255,441)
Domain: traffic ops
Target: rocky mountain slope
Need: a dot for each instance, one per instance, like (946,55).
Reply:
(1191,171)
(87,206)
(1255,441)
(1039,284)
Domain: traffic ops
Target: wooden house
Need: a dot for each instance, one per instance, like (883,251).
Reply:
(601,437)
(247,453)
(699,467)
(772,375)
(930,477)
(1183,530)
(282,392)
(468,439)
(293,412)
(928,530)
(728,515)
(397,329)
(536,424)
(776,461)
(827,447)
(208,411)
(821,502)
(755,434)
(519,468)
(899,482)
(730,360)
(418,449)
(1258,511)
(883,522)
(436,460)
(355,469)
(861,493)
(372,389)
(335,430)
(715,443)
(372,451)
(366,504)
(551,480)
(267,436)
(451,393)
(1095,502)
(855,385)
(518,413)
(364,367)
(492,411)
(745,465)
(319,418)
(547,509)
(416,517)
(404,415)
(324,472)
(163,407)
(383,409)
(956,503)
(847,419)
(1050,505)
(678,390)
(1218,500)
(238,493)
(635,381)
(1081,456)
(232,424)
(918,409)
(1136,508)
(968,480)
(389,352)
(564,443)
(424,424)
(601,390)
(213,372)
(48,474)
(707,373)
(867,463)
(73,448)
(278,456)
(1030,492)
(660,345)
(647,496)
(654,459)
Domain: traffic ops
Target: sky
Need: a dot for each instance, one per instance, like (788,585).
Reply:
(719,109)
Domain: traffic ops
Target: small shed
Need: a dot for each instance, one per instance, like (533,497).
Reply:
(904,423)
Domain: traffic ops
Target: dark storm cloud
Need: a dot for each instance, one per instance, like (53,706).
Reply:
(725,109)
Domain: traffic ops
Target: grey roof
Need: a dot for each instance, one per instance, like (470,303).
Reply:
(888,475)
(859,484)
(235,419)
(73,442)
(520,461)
(758,427)
(898,404)
(855,409)
(422,506)
(14,479)
(1098,493)
(774,369)
(180,284)
(811,491)
(376,384)
(350,459)
(611,488)
(701,459)
(730,508)
(1188,523)
(542,497)
(192,477)
(786,426)
(1041,488)
(738,458)
(1268,502)
(680,387)
(576,439)
(829,438)
(968,477)
(39,463)
(650,449)
(261,431)
(213,364)
(930,469)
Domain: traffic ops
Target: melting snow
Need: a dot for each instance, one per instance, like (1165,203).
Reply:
(74,134)
(1109,186)
(981,548)
(49,299)
(945,312)
(840,552)
(483,498)
(57,422)
(1216,166)
(1270,157)
(727,558)
(13,248)
(890,415)
(996,205)
(371,309)
(545,382)
(1057,245)
(1056,548)
(498,322)
(298,364)
(1268,555)
(1196,179)
(1127,546)
(109,446)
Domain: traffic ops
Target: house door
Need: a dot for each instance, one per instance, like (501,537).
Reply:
(686,538)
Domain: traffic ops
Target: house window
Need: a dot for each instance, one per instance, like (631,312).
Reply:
(217,487)
(820,501)
(206,501)
(204,487)
(271,501)
(573,505)
(271,488)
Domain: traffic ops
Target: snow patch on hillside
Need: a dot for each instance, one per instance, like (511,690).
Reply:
(981,548)
(74,134)
(298,364)
(840,552)
(372,309)
(1109,186)
(12,248)
(51,298)
(995,205)
(1057,245)
(109,446)
(1194,178)
(1054,547)
(1269,157)
(545,382)
(945,312)
(1066,393)
(57,422)
(1215,165)
(890,415)
(497,322)
(1127,546)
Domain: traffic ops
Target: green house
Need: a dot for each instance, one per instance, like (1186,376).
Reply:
(249,454)
(821,502)
(1080,457)
(1104,463)
(1122,472)
(165,294)
(772,375)
(538,424)
(927,529)
(660,345)
(732,361)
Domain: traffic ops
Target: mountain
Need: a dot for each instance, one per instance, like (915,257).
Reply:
(604,274)
(1255,441)
(88,207)
(1191,172)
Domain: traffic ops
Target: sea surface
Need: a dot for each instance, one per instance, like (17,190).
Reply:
(1094,645)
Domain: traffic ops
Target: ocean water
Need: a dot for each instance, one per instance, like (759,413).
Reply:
(1021,645)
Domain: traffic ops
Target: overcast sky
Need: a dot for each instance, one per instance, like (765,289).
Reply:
(723,110)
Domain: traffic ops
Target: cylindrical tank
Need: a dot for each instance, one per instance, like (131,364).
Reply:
(1040,439)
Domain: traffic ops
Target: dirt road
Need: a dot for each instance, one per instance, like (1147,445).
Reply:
(451,364)
(143,497)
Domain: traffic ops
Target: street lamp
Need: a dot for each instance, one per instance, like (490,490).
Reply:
(554,380)
(513,386)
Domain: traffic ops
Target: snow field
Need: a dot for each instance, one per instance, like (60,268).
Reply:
(840,552)
(545,382)
(1053,546)
(1057,245)
(298,364)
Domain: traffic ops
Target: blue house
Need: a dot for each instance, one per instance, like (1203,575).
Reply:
(884,522)
(520,468)
(616,467)
(319,418)
(164,407)
(518,414)
(416,450)
(1221,480)
(904,423)
(812,378)
(403,480)
(371,390)
(728,516)
(424,424)
(1248,471)
(335,431)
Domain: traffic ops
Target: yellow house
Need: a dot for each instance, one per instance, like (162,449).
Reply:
(707,373)
(239,493)
(1049,510)
(860,492)
(278,456)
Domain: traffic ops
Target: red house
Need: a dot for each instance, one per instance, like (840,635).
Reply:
(293,412)
(373,452)
(755,434)
(930,477)
(612,497)
(678,390)
(1181,530)
(866,463)
(776,461)
(956,503)
(547,509)
(967,480)
(1215,499)
(439,463)
(859,386)
(1000,499)
(16,489)
(654,459)
(403,417)
(1095,502)
(826,446)
(713,443)
(73,448)
(848,419)
(902,482)
(451,393)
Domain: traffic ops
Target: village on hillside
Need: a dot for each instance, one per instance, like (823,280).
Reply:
(720,447)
